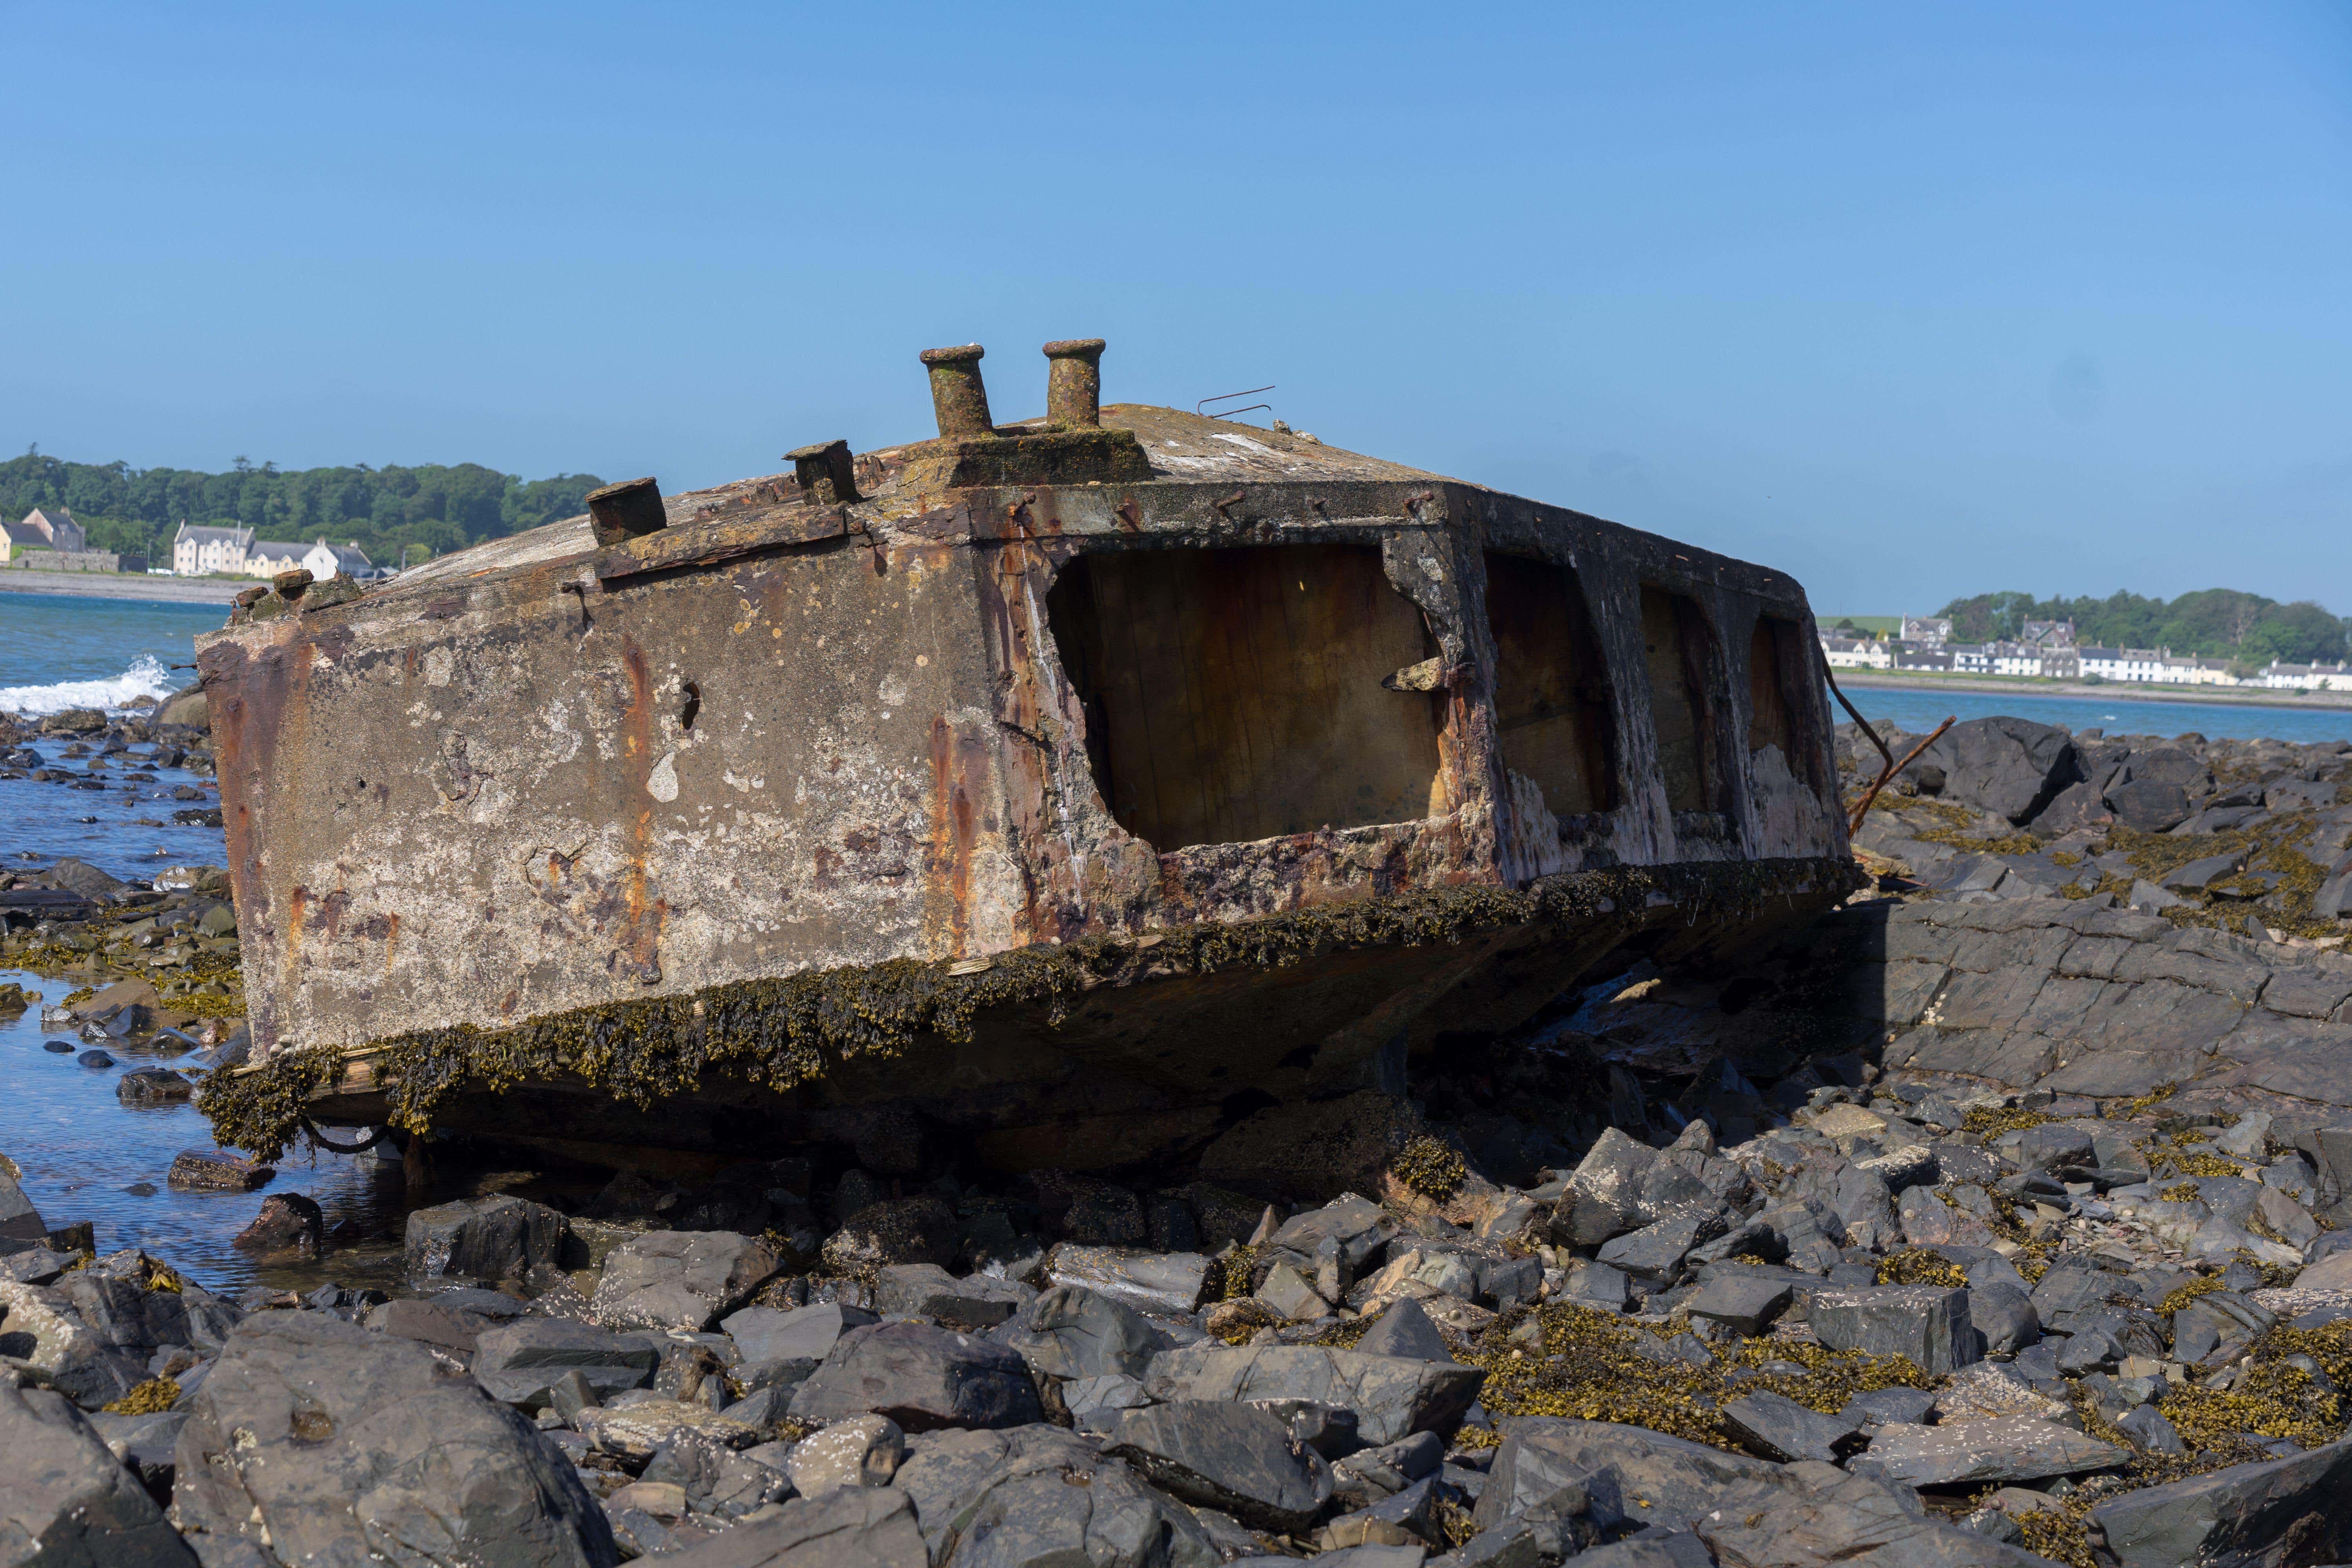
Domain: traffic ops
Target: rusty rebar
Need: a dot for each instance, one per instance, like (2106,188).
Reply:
(959,397)
(1074,384)
(1869,796)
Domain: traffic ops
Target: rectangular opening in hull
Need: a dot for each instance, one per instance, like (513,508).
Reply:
(1236,694)
(1680,650)
(1778,665)
(1552,689)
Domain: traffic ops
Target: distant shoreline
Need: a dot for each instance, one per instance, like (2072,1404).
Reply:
(2113,691)
(118,586)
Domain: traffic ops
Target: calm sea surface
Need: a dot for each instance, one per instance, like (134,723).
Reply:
(87,1156)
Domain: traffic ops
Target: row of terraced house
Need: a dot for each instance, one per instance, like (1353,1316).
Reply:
(235,551)
(2048,649)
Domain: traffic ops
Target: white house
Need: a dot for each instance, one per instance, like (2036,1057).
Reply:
(2015,659)
(2182,670)
(1970,659)
(268,557)
(2145,664)
(1927,631)
(2306,677)
(1857,653)
(199,552)
(325,560)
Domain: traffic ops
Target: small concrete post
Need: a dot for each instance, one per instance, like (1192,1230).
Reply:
(958,394)
(629,509)
(826,476)
(1074,384)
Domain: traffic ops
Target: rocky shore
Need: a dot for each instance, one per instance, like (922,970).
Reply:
(1994,1218)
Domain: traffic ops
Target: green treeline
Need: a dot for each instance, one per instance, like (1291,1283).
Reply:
(390,512)
(2214,622)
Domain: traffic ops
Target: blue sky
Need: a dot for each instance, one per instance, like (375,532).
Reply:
(1911,301)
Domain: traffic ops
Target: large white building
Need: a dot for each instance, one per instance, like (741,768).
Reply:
(2306,677)
(200,551)
(2142,664)
(1857,653)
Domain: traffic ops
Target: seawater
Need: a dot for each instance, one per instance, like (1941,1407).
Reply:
(1918,712)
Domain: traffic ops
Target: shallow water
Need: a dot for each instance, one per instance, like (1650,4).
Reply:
(59,652)
(82,1151)
(1919,712)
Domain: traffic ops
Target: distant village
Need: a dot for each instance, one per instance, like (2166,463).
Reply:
(49,540)
(2047,649)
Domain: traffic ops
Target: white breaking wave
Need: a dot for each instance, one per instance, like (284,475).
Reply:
(145,678)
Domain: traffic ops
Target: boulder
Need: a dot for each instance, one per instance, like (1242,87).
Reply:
(144,1445)
(764,1335)
(856,1527)
(2011,767)
(521,1363)
(1655,1252)
(635,1431)
(680,1278)
(1356,1226)
(1834,1520)
(1036,1495)
(287,1222)
(921,1377)
(21,1225)
(1927,1323)
(215,1171)
(1779,1428)
(1998,1448)
(500,1237)
(333,1445)
(152,1086)
(1741,1300)
(920,1229)
(1405,1331)
(135,1303)
(66,1499)
(1238,1458)
(1679,1480)
(428,1323)
(1393,1397)
(927,1290)
(39,1327)
(1152,1281)
(2279,1511)
(864,1451)
(1074,1332)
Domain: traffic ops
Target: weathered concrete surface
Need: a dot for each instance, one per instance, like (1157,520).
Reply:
(778,737)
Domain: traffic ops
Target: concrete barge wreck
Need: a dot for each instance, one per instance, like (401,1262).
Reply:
(1121,787)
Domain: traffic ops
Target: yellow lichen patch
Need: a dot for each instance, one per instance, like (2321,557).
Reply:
(1918,1265)
(2186,1164)
(2062,1533)
(1430,1168)
(1992,1121)
(152,1398)
(2271,1399)
(2181,1296)
(2123,1109)
(2180,1193)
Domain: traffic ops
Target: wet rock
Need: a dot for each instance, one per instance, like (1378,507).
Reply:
(864,1451)
(66,1499)
(921,1377)
(215,1171)
(852,1527)
(288,1221)
(920,1230)
(1393,1397)
(2281,1511)
(333,1443)
(21,1225)
(152,1086)
(1236,1459)
(1778,1427)
(1680,1480)
(1074,1332)
(1152,1281)
(500,1237)
(680,1278)
(523,1363)
(1405,1331)
(135,1303)
(927,1290)
(95,1059)
(1829,1519)
(2000,1449)
(1927,1323)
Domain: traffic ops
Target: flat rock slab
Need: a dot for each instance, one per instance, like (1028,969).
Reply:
(781,1333)
(856,1527)
(1153,1281)
(215,1171)
(63,1490)
(633,1433)
(680,1278)
(1929,1324)
(1779,1429)
(1660,1479)
(1841,1520)
(1237,1459)
(520,1362)
(927,1290)
(344,1446)
(921,1377)
(1393,1397)
(1744,1305)
(1071,1331)
(2000,1449)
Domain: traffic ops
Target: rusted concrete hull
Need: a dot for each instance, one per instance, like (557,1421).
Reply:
(539,779)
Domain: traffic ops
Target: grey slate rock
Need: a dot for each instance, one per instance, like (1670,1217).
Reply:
(2012,767)
(927,1290)
(1927,1323)
(523,1363)
(1006,1500)
(1074,1332)
(2277,1511)
(65,1500)
(1393,1397)
(680,1278)
(1237,1459)
(1680,1480)
(2004,1315)
(144,1445)
(2000,1449)
(2148,1426)
(500,1237)
(785,1333)
(1656,1251)
(852,1527)
(1890,1407)
(921,1377)
(1169,1282)
(1360,1227)
(1405,1329)
(1837,1521)
(1778,1427)
(1742,1299)
(343,1443)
